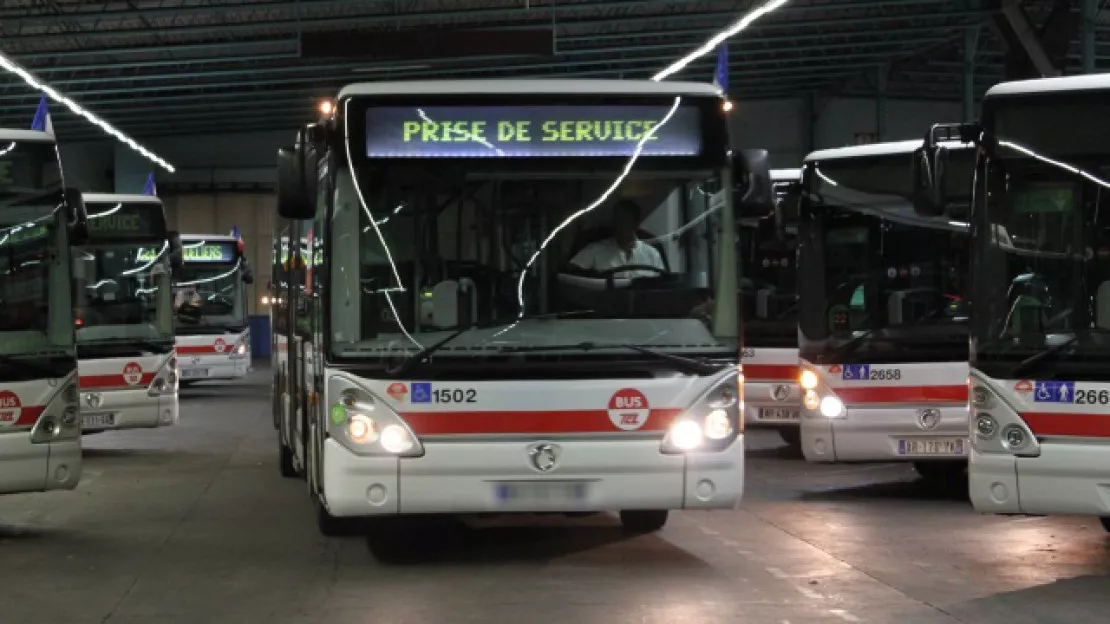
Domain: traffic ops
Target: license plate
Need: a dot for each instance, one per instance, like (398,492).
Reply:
(778,413)
(188,373)
(93,421)
(540,492)
(932,446)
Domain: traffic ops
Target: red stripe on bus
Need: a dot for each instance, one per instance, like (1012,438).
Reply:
(903,394)
(112,381)
(1079,425)
(774,372)
(199,349)
(30,415)
(552,421)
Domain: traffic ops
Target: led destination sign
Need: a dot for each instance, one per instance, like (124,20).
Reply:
(530,131)
(126,221)
(212,253)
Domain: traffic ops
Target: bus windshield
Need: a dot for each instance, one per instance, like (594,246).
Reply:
(210,296)
(34,277)
(768,288)
(877,283)
(1044,281)
(122,278)
(531,248)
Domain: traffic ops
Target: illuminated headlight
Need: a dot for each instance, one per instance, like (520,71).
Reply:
(723,398)
(241,349)
(718,425)
(361,429)
(811,400)
(986,426)
(831,407)
(807,380)
(396,439)
(685,435)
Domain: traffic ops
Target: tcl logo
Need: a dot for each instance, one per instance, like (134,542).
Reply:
(630,419)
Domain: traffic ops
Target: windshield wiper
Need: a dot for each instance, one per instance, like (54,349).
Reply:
(154,347)
(420,357)
(684,364)
(851,345)
(1030,363)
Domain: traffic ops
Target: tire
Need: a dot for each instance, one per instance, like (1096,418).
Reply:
(641,521)
(285,460)
(327,524)
(1105,520)
(793,437)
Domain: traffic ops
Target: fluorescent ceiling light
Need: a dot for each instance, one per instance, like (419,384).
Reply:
(77,109)
(718,38)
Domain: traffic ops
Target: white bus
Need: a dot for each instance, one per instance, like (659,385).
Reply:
(883,319)
(1040,337)
(40,430)
(213,335)
(503,318)
(123,306)
(769,306)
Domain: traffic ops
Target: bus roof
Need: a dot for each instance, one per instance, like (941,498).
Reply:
(877,149)
(785,175)
(12,134)
(1087,82)
(530,86)
(107,198)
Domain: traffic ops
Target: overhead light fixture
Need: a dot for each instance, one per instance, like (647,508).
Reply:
(80,111)
(326,108)
(718,38)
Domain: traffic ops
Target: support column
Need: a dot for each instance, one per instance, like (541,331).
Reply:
(809,116)
(971,44)
(1090,10)
(880,102)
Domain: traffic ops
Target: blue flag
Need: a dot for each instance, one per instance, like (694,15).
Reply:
(235,232)
(150,188)
(720,78)
(41,122)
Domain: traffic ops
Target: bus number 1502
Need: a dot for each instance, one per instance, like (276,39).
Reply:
(455,395)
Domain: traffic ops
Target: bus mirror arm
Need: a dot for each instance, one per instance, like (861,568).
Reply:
(77,220)
(293,201)
(751,171)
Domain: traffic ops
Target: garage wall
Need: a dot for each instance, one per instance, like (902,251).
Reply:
(217,213)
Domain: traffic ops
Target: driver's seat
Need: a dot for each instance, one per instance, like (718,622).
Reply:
(592,235)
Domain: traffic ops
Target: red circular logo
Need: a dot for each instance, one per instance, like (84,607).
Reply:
(398,391)
(132,373)
(220,345)
(1023,387)
(629,409)
(10,408)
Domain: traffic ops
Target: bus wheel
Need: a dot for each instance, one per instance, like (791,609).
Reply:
(643,520)
(329,525)
(285,460)
(1105,520)
(793,437)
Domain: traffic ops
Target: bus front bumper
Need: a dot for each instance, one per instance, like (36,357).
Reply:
(199,368)
(127,409)
(771,404)
(498,477)
(27,467)
(1066,479)
(885,434)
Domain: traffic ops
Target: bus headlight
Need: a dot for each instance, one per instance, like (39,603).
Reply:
(365,424)
(712,423)
(831,407)
(986,426)
(1000,431)
(1014,437)
(807,380)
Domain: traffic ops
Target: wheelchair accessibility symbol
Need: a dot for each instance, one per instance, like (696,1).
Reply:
(1054,392)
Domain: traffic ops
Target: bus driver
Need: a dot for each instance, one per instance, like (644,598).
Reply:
(623,248)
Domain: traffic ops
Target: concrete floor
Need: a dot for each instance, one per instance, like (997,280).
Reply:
(193,524)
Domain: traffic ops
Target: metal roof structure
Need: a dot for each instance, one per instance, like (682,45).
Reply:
(163,67)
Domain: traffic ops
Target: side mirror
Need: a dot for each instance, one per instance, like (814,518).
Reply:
(77,216)
(751,172)
(177,253)
(248,273)
(293,200)
(787,210)
(932,163)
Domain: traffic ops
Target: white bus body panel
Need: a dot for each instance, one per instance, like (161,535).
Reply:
(114,394)
(212,356)
(883,413)
(771,393)
(1072,473)
(28,467)
(471,452)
